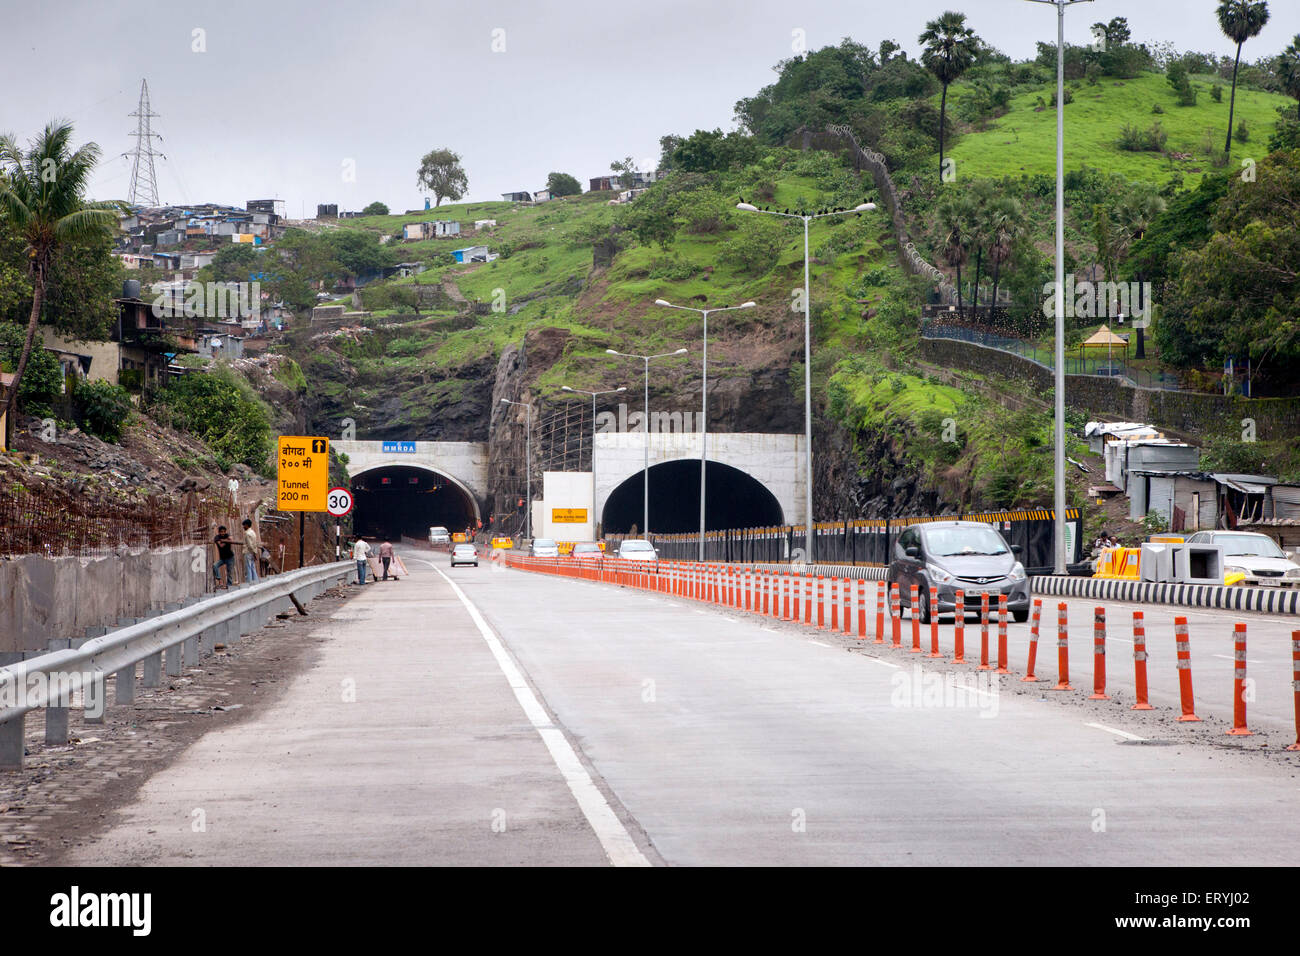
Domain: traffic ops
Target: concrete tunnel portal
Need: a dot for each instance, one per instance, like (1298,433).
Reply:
(396,500)
(733,499)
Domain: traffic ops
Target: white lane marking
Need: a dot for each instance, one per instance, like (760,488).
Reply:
(877,660)
(769,630)
(819,643)
(731,620)
(1118,733)
(1229,657)
(614,838)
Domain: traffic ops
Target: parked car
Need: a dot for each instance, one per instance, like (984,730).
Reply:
(637,549)
(544,548)
(439,535)
(587,550)
(464,554)
(1257,556)
(969,556)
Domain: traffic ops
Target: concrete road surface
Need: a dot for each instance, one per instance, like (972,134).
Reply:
(608,724)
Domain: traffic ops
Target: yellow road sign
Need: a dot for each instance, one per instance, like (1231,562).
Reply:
(303,470)
(569,515)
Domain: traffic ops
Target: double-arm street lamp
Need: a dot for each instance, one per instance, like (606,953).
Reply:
(645,517)
(704,394)
(528,465)
(1058,475)
(807,354)
(608,391)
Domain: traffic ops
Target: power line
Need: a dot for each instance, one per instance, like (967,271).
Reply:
(144,178)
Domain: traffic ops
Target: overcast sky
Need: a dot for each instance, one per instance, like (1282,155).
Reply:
(288,95)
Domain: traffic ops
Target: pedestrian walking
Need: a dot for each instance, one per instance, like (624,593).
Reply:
(225,556)
(386,558)
(360,554)
(252,550)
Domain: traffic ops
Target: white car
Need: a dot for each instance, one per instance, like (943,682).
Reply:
(464,554)
(1257,556)
(544,548)
(439,536)
(637,549)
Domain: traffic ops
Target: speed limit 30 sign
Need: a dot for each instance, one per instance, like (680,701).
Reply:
(339,502)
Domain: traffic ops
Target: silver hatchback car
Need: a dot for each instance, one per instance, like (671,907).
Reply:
(969,556)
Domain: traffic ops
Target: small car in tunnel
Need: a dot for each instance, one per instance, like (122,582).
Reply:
(969,556)
(463,554)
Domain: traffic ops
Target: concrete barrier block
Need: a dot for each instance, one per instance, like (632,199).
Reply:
(11,743)
(151,671)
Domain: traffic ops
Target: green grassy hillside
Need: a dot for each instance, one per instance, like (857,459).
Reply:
(1023,142)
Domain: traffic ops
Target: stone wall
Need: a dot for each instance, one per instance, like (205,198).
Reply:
(1197,413)
(45,599)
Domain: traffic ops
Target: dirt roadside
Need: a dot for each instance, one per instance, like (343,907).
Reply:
(66,795)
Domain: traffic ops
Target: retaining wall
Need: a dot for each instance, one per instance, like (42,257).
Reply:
(44,599)
(1195,412)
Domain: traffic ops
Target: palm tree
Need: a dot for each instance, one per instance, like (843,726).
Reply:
(1135,215)
(1288,71)
(981,195)
(1006,222)
(1240,20)
(954,217)
(949,48)
(42,196)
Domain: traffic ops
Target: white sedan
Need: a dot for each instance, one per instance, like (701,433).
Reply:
(1257,556)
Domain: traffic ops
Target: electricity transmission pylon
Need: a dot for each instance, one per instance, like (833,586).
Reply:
(144,179)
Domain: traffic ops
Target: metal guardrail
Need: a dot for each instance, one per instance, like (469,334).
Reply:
(184,637)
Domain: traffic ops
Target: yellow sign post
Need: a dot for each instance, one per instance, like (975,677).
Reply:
(304,474)
(303,478)
(568,515)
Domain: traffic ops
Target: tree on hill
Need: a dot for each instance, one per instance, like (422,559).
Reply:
(953,217)
(1288,71)
(1238,293)
(236,262)
(706,151)
(950,47)
(42,196)
(1240,20)
(375,209)
(562,184)
(440,173)
(625,168)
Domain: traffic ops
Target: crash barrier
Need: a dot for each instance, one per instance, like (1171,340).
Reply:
(183,637)
(861,542)
(1119,563)
(791,597)
(1265,599)
(1174,562)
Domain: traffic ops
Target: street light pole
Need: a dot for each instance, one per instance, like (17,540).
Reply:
(645,517)
(807,356)
(1058,469)
(704,396)
(608,391)
(528,465)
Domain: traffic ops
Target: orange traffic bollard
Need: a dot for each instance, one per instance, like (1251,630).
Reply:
(1002,635)
(862,610)
(914,598)
(1295,685)
(934,623)
(1239,728)
(1098,654)
(847,594)
(984,632)
(1062,648)
(835,604)
(821,601)
(796,587)
(785,592)
(1034,618)
(959,629)
(1184,645)
(807,599)
(895,616)
(880,612)
(1140,662)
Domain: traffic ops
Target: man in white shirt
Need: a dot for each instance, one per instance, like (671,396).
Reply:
(360,552)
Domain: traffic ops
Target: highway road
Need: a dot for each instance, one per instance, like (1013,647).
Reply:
(510,717)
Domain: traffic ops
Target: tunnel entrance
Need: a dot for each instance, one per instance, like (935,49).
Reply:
(734,500)
(398,500)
